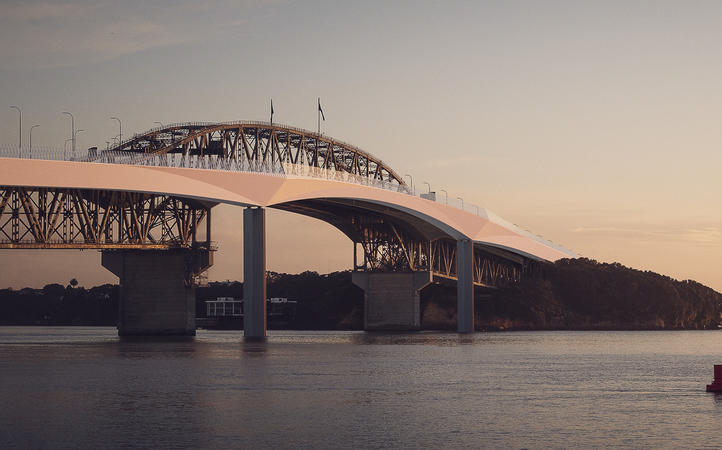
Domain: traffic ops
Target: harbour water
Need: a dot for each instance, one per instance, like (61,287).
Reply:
(65,387)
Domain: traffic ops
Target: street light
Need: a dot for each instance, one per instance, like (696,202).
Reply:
(65,148)
(72,128)
(31,139)
(446,196)
(412,182)
(75,139)
(20,128)
(120,127)
(462,202)
(429,186)
(160,125)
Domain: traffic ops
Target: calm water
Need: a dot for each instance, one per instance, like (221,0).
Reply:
(82,387)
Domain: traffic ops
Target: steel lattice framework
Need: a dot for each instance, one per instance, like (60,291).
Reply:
(260,143)
(387,246)
(73,218)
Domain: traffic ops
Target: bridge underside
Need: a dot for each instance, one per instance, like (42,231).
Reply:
(396,254)
(83,218)
(388,240)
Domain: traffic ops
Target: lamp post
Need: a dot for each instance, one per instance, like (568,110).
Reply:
(412,182)
(446,196)
(428,185)
(75,139)
(72,128)
(20,128)
(120,130)
(65,148)
(462,202)
(160,125)
(31,139)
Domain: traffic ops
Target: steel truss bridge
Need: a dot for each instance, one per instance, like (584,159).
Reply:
(105,200)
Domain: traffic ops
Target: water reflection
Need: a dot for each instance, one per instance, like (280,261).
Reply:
(416,338)
(255,346)
(87,388)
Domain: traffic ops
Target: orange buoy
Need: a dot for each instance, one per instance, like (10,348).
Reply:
(716,385)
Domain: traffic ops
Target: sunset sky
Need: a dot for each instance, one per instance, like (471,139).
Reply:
(597,125)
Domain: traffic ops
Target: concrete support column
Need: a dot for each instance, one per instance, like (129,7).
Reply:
(465,285)
(254,272)
(155,298)
(392,300)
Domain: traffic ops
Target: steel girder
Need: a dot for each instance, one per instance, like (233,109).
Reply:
(76,219)
(390,243)
(389,247)
(261,143)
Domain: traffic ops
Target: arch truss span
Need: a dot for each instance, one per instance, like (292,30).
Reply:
(260,144)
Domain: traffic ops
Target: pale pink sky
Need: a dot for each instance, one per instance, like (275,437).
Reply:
(594,124)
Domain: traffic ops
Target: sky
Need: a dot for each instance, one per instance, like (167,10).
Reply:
(597,125)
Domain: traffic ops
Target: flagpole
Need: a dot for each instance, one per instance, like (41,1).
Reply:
(318,114)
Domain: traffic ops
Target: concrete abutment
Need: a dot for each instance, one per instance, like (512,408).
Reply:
(156,296)
(392,300)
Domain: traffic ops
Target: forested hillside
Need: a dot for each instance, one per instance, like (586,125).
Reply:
(585,294)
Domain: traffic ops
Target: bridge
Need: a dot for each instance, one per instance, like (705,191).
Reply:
(147,203)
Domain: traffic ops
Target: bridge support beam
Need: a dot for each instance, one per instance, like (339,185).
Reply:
(156,298)
(465,285)
(392,300)
(254,272)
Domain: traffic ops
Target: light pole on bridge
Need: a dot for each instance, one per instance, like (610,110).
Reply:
(412,182)
(160,125)
(20,128)
(75,139)
(72,128)
(120,130)
(31,139)
(428,185)
(446,196)
(65,148)
(462,202)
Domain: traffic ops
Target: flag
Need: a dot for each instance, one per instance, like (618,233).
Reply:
(321,110)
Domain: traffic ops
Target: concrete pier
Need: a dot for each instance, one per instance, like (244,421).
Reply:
(392,300)
(156,298)
(465,285)
(254,272)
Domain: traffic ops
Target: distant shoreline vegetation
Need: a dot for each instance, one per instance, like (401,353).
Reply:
(571,294)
